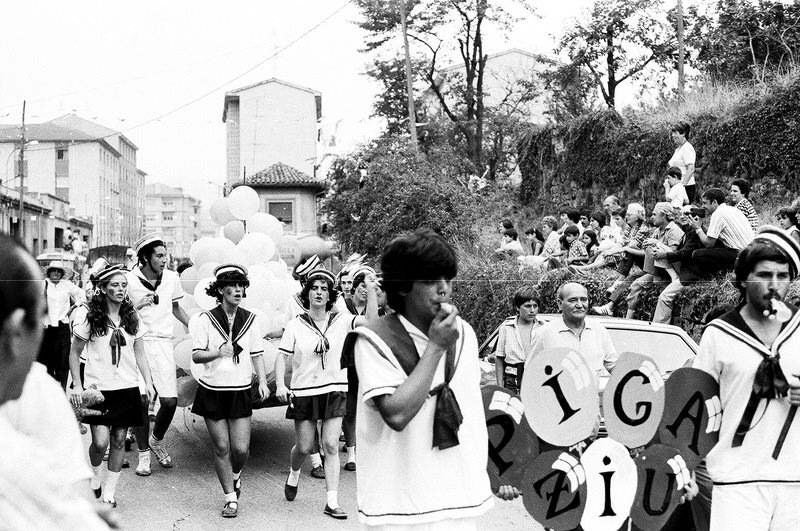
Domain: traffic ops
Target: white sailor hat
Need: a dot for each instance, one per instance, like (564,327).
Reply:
(146,240)
(56,264)
(230,268)
(363,270)
(321,273)
(108,272)
(781,239)
(304,268)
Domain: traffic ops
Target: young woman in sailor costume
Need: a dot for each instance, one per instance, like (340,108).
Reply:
(228,346)
(753,351)
(313,341)
(112,334)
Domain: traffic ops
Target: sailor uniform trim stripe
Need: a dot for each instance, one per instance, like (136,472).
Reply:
(723,483)
(79,337)
(256,353)
(224,387)
(431,511)
(378,391)
(286,351)
(379,345)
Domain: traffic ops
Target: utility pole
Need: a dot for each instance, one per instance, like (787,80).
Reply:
(21,170)
(412,115)
(681,81)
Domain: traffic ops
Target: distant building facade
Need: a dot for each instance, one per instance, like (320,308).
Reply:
(173,214)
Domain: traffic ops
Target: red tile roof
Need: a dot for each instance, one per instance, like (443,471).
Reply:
(283,175)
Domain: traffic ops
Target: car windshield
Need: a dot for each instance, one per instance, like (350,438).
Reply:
(669,351)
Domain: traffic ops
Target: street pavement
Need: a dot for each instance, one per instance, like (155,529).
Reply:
(188,496)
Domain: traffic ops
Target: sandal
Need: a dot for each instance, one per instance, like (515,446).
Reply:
(230,509)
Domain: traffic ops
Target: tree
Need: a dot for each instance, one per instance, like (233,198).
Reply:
(391,102)
(457,91)
(619,41)
(569,88)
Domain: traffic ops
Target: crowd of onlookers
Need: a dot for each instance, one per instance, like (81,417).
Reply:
(671,245)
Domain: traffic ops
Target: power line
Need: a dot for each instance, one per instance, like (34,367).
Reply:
(226,83)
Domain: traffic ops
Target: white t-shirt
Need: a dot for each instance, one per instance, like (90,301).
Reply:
(683,157)
(552,245)
(677,196)
(157,319)
(60,297)
(210,330)
(732,356)
(731,227)
(33,491)
(44,414)
(316,374)
(100,369)
(401,478)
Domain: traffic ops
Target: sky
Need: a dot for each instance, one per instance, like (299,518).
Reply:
(158,71)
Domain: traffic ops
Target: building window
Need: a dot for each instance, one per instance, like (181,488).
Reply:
(283,211)
(167,217)
(60,154)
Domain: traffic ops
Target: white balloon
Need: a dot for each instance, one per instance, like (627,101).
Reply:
(204,250)
(267,224)
(189,278)
(260,272)
(234,230)
(257,248)
(243,202)
(201,297)
(258,292)
(220,213)
(278,269)
(207,270)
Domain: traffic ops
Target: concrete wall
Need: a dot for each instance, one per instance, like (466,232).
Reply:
(304,207)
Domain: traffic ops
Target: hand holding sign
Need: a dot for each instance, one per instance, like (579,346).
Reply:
(512,444)
(662,476)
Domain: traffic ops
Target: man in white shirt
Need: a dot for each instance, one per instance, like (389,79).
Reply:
(155,293)
(60,295)
(729,232)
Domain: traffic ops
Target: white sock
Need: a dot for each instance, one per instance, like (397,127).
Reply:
(96,480)
(110,486)
(333,499)
(294,477)
(316,460)
(351,454)
(144,456)
(237,475)
(230,497)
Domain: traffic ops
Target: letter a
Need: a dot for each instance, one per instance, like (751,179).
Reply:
(695,401)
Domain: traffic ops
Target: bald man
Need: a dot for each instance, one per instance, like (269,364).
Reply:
(572,330)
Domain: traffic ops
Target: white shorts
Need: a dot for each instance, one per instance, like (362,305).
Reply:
(161,358)
(762,506)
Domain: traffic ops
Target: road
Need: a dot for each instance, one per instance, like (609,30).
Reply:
(189,497)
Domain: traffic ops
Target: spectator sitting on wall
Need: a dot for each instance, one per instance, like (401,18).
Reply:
(569,216)
(740,193)
(510,244)
(728,233)
(584,218)
(576,250)
(535,239)
(674,190)
(610,204)
(787,219)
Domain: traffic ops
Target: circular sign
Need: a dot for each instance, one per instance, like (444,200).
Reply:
(512,444)
(692,414)
(554,490)
(610,485)
(559,392)
(633,400)
(662,474)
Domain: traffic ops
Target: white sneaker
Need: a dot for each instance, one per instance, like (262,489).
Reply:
(143,468)
(161,452)
(605,309)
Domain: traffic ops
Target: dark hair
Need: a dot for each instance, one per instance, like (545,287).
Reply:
(146,252)
(512,233)
(537,233)
(18,288)
(229,278)
(572,230)
(420,256)
(525,294)
(675,171)
(599,217)
(358,279)
(585,212)
(714,194)
(507,223)
(788,212)
(682,128)
(183,266)
(750,256)
(98,312)
(593,240)
(332,293)
(573,215)
(743,186)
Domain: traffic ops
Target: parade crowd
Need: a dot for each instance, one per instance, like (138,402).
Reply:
(381,358)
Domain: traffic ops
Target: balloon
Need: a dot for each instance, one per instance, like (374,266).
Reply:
(189,305)
(257,293)
(183,354)
(278,269)
(266,224)
(189,278)
(207,270)
(220,213)
(290,251)
(178,330)
(233,230)
(243,202)
(560,395)
(278,290)
(257,248)
(311,245)
(203,300)
(260,272)
(187,388)
(203,250)
(611,479)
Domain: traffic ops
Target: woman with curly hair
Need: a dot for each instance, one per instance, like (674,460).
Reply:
(112,336)
(227,344)
(314,342)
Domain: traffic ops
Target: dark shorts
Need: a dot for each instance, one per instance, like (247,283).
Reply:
(218,405)
(121,407)
(317,407)
(512,379)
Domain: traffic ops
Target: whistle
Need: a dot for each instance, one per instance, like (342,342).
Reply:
(777,310)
